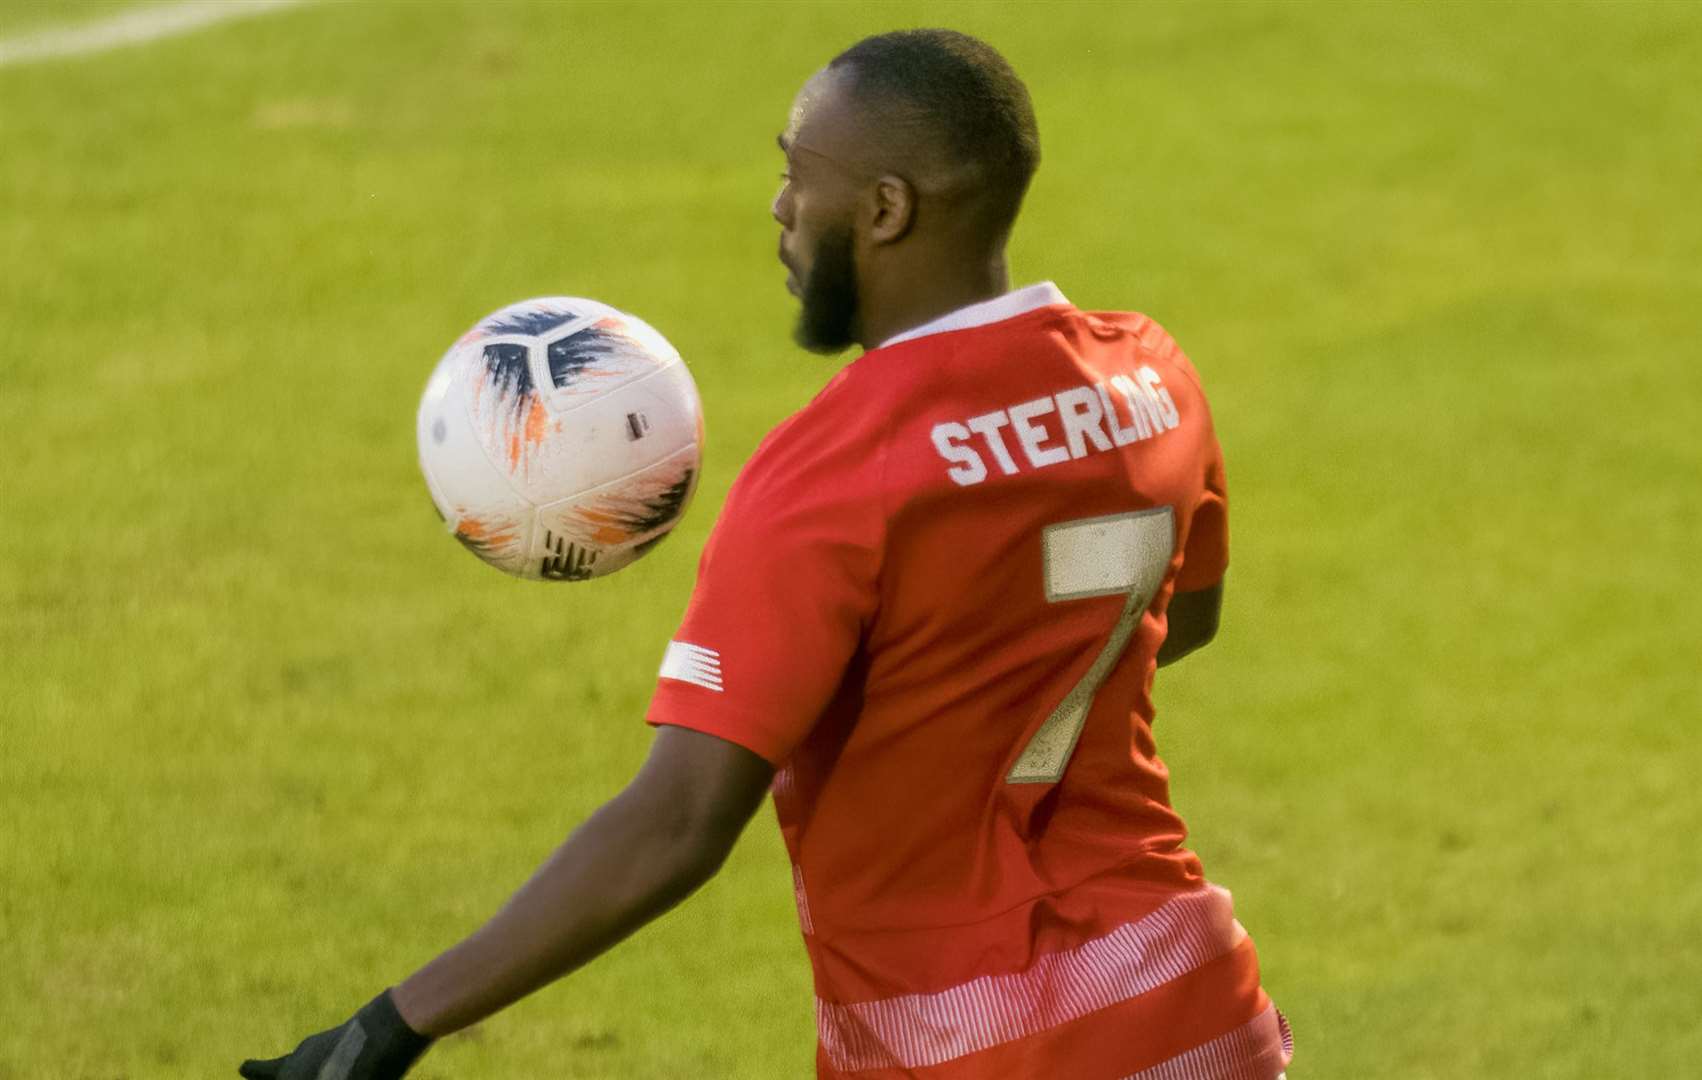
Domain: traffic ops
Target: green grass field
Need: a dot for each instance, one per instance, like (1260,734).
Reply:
(269,739)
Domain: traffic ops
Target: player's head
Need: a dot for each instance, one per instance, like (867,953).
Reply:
(907,155)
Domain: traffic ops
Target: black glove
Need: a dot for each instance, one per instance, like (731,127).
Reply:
(375,1044)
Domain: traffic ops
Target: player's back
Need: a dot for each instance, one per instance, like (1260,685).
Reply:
(986,525)
(1040,472)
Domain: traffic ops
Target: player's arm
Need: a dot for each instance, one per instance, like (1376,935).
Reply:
(643,852)
(646,850)
(1193,622)
(1198,600)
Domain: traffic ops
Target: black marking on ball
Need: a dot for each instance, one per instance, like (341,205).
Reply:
(576,352)
(664,508)
(569,562)
(439,430)
(637,424)
(527,322)
(476,546)
(509,371)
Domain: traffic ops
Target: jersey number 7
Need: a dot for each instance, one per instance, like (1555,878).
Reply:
(1102,556)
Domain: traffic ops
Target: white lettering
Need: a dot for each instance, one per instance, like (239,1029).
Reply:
(1141,411)
(1120,435)
(987,426)
(1078,408)
(968,468)
(1088,416)
(1032,435)
(1155,388)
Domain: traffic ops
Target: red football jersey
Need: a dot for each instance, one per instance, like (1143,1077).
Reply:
(934,601)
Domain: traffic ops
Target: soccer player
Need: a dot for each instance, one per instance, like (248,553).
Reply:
(928,621)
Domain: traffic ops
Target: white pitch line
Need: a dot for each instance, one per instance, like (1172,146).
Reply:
(131,28)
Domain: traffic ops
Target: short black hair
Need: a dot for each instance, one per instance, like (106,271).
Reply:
(962,96)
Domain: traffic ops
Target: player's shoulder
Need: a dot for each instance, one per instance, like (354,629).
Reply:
(1154,340)
(1143,328)
(837,444)
(844,411)
(854,410)
(832,444)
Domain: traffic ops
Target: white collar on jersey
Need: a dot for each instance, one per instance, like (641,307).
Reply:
(1009,306)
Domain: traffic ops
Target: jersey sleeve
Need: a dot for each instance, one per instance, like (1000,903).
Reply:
(1206,554)
(785,589)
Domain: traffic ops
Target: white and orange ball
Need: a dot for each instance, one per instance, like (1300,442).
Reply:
(560,438)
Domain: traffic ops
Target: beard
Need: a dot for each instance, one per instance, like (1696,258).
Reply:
(827,321)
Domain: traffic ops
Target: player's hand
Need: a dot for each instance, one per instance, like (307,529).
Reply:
(374,1044)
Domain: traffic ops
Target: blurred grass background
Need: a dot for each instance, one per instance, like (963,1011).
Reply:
(268,739)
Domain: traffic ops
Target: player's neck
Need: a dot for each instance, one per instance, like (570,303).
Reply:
(909,300)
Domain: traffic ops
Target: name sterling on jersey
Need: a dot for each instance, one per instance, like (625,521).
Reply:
(1089,417)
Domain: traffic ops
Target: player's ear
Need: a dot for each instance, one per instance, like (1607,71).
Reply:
(894,209)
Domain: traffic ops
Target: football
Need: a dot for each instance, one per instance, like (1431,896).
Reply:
(560,438)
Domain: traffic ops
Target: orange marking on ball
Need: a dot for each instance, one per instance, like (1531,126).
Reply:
(537,420)
(606,526)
